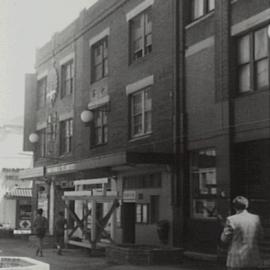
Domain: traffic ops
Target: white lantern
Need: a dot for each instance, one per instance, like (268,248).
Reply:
(33,137)
(87,116)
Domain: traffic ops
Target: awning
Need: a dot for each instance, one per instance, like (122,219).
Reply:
(19,193)
(111,161)
(31,173)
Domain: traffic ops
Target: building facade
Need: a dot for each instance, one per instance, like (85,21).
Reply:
(176,99)
(113,66)
(227,106)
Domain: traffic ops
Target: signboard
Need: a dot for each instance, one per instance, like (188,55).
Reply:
(129,196)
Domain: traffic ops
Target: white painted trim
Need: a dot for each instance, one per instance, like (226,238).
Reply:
(140,8)
(99,102)
(66,115)
(204,44)
(101,35)
(41,125)
(250,22)
(133,87)
(67,58)
(42,74)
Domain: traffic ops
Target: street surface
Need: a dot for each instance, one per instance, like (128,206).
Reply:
(78,259)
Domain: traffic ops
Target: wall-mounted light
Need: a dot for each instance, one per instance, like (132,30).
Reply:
(87,116)
(33,138)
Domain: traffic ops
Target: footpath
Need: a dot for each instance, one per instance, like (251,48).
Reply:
(80,259)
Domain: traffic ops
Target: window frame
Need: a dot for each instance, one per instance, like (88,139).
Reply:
(144,49)
(103,46)
(66,136)
(253,87)
(197,175)
(206,9)
(140,217)
(143,112)
(103,112)
(42,92)
(67,78)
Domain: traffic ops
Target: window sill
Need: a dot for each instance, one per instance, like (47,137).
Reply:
(140,60)
(251,92)
(99,80)
(140,137)
(94,146)
(200,19)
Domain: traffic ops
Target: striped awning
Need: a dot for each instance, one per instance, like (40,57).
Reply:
(19,193)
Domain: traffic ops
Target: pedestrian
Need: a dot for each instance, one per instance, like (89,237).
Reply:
(40,227)
(60,224)
(242,233)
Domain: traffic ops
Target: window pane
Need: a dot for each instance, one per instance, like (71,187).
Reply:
(211,5)
(243,50)
(138,213)
(244,78)
(145,213)
(148,122)
(198,6)
(261,44)
(137,104)
(137,124)
(262,77)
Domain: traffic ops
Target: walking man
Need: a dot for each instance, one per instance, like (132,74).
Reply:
(60,224)
(40,226)
(242,232)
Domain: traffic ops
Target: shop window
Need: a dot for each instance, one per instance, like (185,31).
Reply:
(100,59)
(42,144)
(100,127)
(66,134)
(154,208)
(141,112)
(200,8)
(67,77)
(141,35)
(253,61)
(204,183)
(41,92)
(142,213)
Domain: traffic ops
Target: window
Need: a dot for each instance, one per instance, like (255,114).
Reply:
(154,209)
(141,112)
(100,126)
(204,183)
(253,61)
(142,213)
(100,60)
(66,133)
(67,77)
(42,151)
(141,35)
(200,8)
(41,92)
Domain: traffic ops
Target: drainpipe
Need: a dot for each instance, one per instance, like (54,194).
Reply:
(180,162)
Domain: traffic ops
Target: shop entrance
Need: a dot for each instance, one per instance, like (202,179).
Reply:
(128,222)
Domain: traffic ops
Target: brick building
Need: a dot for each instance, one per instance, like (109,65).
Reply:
(227,107)
(163,83)
(111,65)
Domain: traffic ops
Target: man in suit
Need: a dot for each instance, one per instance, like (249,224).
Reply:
(242,232)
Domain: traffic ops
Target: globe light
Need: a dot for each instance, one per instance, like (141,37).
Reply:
(33,137)
(87,116)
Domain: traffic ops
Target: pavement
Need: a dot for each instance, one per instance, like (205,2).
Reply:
(80,259)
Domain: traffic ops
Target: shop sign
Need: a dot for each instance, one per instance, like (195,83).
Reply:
(60,169)
(129,196)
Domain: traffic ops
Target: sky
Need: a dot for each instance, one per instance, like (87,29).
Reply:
(26,25)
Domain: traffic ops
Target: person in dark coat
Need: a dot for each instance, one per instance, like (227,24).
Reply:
(40,227)
(60,224)
(243,233)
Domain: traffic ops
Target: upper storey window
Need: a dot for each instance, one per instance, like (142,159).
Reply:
(141,35)
(41,92)
(200,8)
(100,59)
(253,61)
(67,72)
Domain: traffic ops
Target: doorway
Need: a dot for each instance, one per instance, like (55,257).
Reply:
(128,222)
